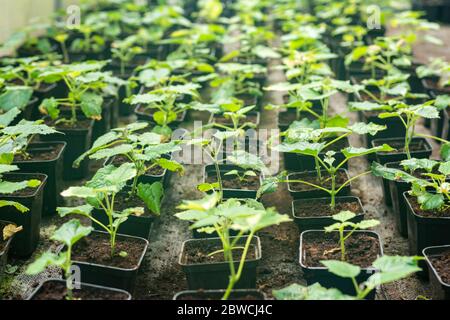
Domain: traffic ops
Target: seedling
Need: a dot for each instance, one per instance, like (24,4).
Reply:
(209,216)
(436,68)
(346,228)
(306,144)
(125,51)
(83,82)
(100,194)
(389,269)
(68,234)
(242,177)
(144,150)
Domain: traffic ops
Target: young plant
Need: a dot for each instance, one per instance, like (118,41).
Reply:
(68,234)
(432,190)
(346,228)
(389,269)
(89,42)
(209,215)
(144,151)
(83,82)
(241,176)
(437,68)
(125,51)
(100,194)
(320,90)
(235,111)
(15,140)
(303,145)
(164,101)
(24,71)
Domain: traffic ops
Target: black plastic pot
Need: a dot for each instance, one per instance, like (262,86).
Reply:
(35,293)
(214,295)
(386,157)
(5,250)
(397,189)
(314,193)
(441,289)
(52,168)
(327,279)
(213,276)
(134,226)
(110,276)
(318,223)
(299,162)
(210,170)
(78,142)
(425,231)
(445,133)
(26,241)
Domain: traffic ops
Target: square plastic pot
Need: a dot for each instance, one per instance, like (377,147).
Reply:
(110,276)
(53,169)
(318,223)
(329,280)
(440,289)
(5,250)
(213,276)
(26,241)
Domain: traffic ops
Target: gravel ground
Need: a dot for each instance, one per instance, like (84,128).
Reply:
(161,277)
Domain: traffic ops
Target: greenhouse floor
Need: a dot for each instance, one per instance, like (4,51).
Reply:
(161,277)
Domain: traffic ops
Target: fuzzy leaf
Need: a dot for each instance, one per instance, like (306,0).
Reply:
(341,268)
(152,195)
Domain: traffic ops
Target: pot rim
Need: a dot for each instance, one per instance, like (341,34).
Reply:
(63,143)
(430,265)
(183,246)
(376,234)
(405,195)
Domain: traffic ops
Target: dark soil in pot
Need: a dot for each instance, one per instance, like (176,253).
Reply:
(136,226)
(315,214)
(298,162)
(78,139)
(46,158)
(26,241)
(362,249)
(210,273)
(213,295)
(426,228)
(302,191)
(419,148)
(93,255)
(233,187)
(56,290)
(438,261)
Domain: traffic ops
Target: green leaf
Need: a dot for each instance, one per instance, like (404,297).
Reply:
(344,216)
(414,164)
(84,210)
(442,102)
(341,268)
(71,232)
(366,128)
(21,208)
(50,107)
(431,201)
(392,268)
(152,195)
(206,203)
(15,97)
(247,160)
(445,152)
(352,152)
(170,165)
(9,116)
(45,260)
(367,224)
(91,105)
(111,152)
(79,192)
(366,106)
(444,168)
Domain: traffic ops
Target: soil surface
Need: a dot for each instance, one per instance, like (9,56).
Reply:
(40,153)
(199,253)
(442,265)
(58,291)
(96,248)
(233,182)
(428,213)
(361,249)
(322,209)
(341,178)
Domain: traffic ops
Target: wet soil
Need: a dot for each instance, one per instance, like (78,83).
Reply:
(96,248)
(40,153)
(442,265)
(233,182)
(199,253)
(322,209)
(361,249)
